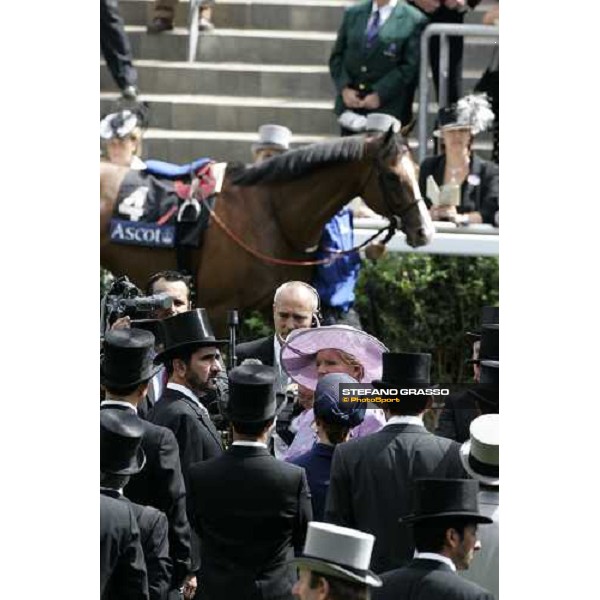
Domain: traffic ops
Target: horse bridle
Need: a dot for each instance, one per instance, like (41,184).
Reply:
(395,219)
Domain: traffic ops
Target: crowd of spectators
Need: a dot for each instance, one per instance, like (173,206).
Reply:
(191,510)
(294,491)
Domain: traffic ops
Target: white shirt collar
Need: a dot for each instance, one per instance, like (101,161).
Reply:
(111,401)
(405,420)
(187,392)
(384,11)
(277,349)
(106,489)
(249,443)
(436,556)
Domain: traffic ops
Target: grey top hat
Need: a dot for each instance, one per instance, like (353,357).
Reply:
(480,455)
(273,136)
(340,552)
(382,122)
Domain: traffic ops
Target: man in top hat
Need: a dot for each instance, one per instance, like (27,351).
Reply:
(460,409)
(371,476)
(445,523)
(480,456)
(122,566)
(192,360)
(335,564)
(125,372)
(374,63)
(250,510)
(272,140)
(191,355)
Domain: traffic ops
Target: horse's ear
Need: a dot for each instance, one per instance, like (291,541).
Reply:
(389,137)
(405,130)
(388,147)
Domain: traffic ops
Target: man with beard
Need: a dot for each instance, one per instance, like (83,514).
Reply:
(445,523)
(192,360)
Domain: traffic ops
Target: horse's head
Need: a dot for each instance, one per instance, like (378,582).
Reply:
(392,188)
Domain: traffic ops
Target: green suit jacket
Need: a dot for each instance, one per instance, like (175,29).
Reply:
(390,67)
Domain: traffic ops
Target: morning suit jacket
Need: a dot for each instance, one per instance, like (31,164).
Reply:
(479,192)
(197,438)
(154,531)
(390,67)
(370,486)
(250,511)
(160,484)
(122,566)
(425,579)
(484,570)
(262,348)
(456,416)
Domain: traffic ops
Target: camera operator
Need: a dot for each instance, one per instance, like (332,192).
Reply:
(174,284)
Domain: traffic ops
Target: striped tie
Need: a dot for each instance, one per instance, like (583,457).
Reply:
(373,29)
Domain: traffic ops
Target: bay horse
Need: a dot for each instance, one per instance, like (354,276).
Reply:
(279,208)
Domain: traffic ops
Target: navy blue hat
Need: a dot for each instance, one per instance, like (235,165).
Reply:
(327,404)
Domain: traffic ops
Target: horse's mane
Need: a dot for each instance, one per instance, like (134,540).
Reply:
(296,163)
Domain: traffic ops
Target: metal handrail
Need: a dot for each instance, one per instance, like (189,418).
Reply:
(194,18)
(443,30)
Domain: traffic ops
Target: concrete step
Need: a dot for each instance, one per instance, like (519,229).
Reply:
(264,46)
(184,146)
(302,82)
(299,15)
(227,113)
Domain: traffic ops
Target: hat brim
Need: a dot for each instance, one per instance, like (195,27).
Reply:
(476,517)
(135,466)
(267,146)
(327,568)
(438,132)
(168,353)
(298,355)
(465,449)
(105,380)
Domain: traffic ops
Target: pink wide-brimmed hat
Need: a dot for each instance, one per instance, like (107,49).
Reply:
(298,354)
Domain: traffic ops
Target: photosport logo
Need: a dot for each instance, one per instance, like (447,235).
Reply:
(142,234)
(385,395)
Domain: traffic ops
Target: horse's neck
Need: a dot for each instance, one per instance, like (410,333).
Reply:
(304,206)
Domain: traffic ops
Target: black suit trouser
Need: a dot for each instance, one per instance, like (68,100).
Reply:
(455,64)
(115,46)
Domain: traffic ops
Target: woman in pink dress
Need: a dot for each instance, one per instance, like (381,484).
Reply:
(308,354)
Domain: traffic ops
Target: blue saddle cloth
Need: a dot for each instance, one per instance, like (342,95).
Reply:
(159,168)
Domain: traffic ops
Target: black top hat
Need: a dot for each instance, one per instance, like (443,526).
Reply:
(127,358)
(490,344)
(490,315)
(251,395)
(436,498)
(489,372)
(121,433)
(405,369)
(191,328)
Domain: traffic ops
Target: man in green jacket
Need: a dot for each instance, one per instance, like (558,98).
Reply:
(375,61)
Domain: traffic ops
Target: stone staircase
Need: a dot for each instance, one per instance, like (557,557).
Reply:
(265,63)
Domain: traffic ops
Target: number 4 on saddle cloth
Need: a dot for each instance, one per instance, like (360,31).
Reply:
(162,206)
